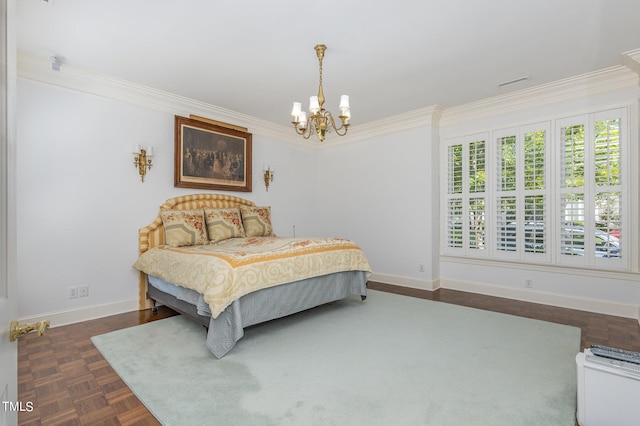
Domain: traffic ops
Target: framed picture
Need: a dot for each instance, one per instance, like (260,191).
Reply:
(211,156)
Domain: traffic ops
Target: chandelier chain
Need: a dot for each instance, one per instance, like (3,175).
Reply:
(320,72)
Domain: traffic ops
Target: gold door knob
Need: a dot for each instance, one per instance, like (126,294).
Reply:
(18,330)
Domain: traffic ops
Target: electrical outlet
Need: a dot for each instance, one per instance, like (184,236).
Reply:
(528,283)
(421,267)
(72,292)
(83,290)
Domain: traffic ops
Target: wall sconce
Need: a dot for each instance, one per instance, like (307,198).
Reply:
(268,173)
(142,159)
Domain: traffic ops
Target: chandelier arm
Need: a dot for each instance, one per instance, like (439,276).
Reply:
(335,128)
(306,133)
(340,128)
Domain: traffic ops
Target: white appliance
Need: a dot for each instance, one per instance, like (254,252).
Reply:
(608,391)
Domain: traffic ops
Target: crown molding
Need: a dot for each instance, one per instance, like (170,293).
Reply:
(427,116)
(606,80)
(631,60)
(38,68)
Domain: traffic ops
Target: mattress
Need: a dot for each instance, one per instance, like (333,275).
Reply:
(228,270)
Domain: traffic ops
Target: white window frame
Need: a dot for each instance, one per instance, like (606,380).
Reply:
(465,196)
(552,192)
(520,193)
(590,189)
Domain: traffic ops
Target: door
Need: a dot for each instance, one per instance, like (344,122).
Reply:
(9,404)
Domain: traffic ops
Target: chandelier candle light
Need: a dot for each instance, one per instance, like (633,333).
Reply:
(320,120)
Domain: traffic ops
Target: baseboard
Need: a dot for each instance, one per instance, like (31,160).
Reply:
(405,281)
(590,305)
(551,299)
(87,313)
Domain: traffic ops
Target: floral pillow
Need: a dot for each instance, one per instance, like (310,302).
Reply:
(223,224)
(184,227)
(257,221)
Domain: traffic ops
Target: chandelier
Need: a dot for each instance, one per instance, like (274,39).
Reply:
(320,120)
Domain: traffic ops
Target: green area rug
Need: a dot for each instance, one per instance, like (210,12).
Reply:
(391,360)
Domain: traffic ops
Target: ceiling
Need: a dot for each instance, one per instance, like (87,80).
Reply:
(257,56)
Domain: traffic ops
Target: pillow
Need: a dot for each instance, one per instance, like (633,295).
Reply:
(184,227)
(257,221)
(223,224)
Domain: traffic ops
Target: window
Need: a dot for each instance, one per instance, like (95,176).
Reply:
(528,194)
(454,205)
(522,193)
(466,195)
(592,190)
(477,177)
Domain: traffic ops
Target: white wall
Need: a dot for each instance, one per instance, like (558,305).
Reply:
(380,192)
(80,201)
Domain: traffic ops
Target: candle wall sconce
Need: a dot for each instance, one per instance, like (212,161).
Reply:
(142,157)
(268,173)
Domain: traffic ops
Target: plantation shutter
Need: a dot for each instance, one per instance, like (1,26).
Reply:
(466,196)
(592,184)
(526,194)
(521,228)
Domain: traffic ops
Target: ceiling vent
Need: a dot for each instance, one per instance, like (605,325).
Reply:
(516,81)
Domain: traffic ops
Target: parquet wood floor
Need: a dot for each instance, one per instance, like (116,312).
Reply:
(70,383)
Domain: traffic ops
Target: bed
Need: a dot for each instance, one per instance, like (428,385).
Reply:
(216,259)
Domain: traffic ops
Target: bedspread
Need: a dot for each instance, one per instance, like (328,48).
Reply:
(225,271)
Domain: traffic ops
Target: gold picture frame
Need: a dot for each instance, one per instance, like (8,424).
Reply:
(211,156)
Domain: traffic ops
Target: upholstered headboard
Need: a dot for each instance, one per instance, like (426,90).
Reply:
(153,234)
